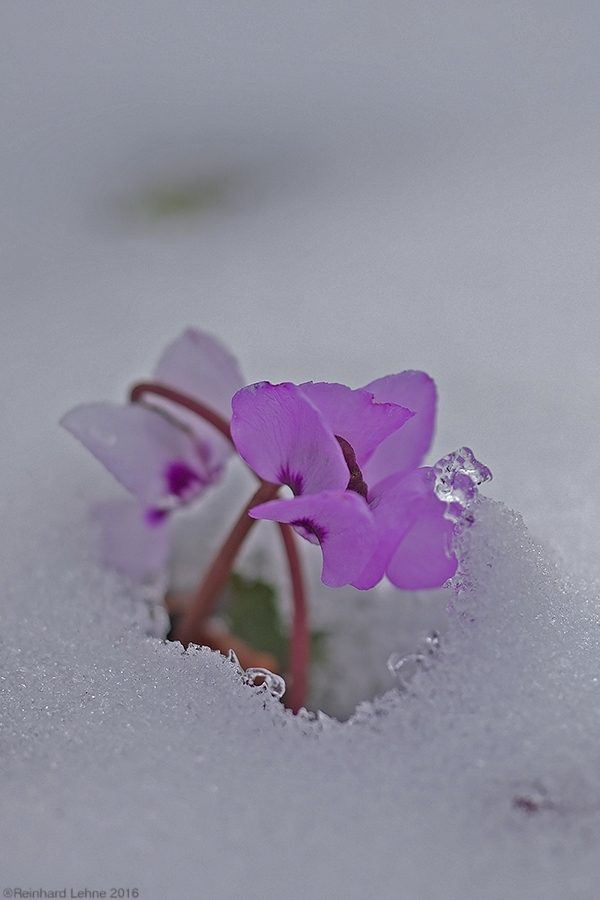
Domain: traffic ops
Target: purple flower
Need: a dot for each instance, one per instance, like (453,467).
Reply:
(164,454)
(351,459)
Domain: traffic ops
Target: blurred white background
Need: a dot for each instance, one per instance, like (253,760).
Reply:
(403,185)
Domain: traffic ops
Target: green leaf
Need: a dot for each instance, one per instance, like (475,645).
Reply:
(250,609)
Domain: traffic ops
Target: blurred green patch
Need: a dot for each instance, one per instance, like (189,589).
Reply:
(179,199)
(250,609)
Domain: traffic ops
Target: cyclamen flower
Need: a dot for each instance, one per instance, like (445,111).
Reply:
(352,461)
(164,455)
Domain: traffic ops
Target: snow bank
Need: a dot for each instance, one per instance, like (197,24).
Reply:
(127,760)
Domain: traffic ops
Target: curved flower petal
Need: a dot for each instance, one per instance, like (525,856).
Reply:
(132,542)
(355,415)
(424,558)
(284,438)
(342,523)
(398,501)
(198,365)
(151,457)
(405,448)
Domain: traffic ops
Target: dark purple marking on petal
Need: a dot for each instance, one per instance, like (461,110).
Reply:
(180,477)
(357,482)
(310,530)
(155,516)
(294,480)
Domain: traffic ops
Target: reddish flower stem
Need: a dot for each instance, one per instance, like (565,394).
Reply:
(192,625)
(204,600)
(300,643)
(151,387)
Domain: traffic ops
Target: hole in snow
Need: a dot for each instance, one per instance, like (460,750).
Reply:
(354,633)
(363,643)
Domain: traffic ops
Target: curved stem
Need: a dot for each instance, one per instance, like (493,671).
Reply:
(300,643)
(205,599)
(161,390)
(192,625)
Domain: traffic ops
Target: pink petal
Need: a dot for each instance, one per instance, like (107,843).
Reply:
(340,520)
(424,559)
(148,454)
(132,543)
(406,448)
(396,503)
(355,415)
(198,365)
(284,438)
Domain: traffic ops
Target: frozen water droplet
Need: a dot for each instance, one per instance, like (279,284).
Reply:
(431,643)
(395,662)
(273,683)
(457,477)
(405,667)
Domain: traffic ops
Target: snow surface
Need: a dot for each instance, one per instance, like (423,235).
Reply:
(402,185)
